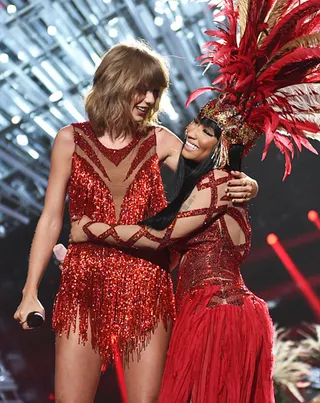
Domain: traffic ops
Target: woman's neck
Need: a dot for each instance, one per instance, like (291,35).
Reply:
(115,142)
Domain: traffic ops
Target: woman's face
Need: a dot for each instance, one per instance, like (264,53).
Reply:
(142,103)
(200,141)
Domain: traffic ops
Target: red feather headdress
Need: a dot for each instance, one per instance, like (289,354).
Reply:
(269,76)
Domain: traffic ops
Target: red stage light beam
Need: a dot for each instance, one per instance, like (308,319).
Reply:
(294,272)
(314,217)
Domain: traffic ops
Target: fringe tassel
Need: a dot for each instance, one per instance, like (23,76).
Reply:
(113,301)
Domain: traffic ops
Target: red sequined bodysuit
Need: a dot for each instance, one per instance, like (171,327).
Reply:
(221,345)
(119,293)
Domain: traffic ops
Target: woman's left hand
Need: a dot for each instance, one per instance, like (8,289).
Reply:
(242,188)
(77,234)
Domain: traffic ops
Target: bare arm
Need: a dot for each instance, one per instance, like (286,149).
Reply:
(50,222)
(204,205)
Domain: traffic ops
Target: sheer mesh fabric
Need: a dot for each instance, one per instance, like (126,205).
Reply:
(118,168)
(221,346)
(220,349)
(206,204)
(207,222)
(119,294)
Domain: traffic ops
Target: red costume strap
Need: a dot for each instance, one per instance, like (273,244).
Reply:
(87,231)
(205,205)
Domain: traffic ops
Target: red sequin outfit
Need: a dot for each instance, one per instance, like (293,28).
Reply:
(221,346)
(120,293)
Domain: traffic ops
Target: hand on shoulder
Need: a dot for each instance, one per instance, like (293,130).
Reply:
(241,188)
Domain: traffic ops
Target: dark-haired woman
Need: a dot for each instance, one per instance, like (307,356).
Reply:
(221,346)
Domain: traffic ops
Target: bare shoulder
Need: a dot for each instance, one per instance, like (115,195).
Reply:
(164,134)
(64,138)
(64,143)
(168,147)
(65,135)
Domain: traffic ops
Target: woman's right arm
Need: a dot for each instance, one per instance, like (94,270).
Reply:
(50,222)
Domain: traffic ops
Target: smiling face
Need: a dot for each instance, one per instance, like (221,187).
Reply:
(124,70)
(200,141)
(143,103)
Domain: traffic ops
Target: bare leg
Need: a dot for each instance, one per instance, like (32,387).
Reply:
(77,370)
(143,378)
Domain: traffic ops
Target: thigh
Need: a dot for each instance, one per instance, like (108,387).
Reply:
(77,369)
(144,375)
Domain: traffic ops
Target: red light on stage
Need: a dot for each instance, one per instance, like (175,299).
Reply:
(312,215)
(296,275)
(51,397)
(272,239)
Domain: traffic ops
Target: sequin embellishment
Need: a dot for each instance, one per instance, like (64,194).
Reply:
(119,294)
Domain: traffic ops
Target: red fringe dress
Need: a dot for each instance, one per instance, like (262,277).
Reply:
(122,294)
(221,346)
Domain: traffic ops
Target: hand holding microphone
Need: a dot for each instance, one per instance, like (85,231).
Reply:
(34,319)
(30,313)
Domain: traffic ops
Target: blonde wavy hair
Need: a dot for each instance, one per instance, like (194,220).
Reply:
(126,70)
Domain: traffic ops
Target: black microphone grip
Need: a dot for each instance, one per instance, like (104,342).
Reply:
(34,319)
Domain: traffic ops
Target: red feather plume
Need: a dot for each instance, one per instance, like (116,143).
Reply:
(268,56)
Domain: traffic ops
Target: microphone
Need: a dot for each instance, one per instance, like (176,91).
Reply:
(34,319)
(60,252)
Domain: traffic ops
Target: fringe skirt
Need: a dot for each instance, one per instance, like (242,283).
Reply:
(221,354)
(123,297)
